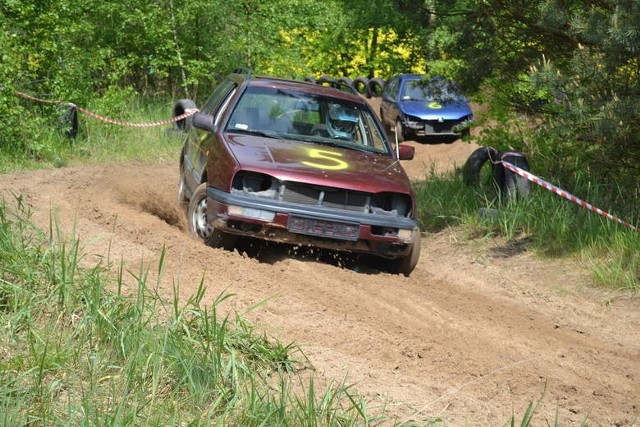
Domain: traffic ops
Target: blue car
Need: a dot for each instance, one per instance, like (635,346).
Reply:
(419,108)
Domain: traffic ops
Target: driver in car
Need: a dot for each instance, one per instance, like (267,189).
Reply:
(341,122)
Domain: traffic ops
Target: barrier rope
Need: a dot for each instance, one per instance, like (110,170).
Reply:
(555,189)
(531,177)
(562,193)
(188,112)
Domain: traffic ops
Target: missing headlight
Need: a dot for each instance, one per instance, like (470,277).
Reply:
(391,204)
(255,184)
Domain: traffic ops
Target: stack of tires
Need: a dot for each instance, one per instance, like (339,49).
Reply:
(364,86)
(508,184)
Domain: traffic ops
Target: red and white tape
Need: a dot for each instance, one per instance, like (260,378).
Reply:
(562,193)
(188,112)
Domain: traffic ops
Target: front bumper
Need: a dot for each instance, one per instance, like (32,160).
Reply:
(437,127)
(383,235)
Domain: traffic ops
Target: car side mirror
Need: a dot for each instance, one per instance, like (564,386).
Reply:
(406,152)
(203,121)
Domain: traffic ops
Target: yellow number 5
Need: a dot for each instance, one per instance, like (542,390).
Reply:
(332,163)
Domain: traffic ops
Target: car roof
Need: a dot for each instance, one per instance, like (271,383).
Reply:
(406,77)
(411,76)
(304,86)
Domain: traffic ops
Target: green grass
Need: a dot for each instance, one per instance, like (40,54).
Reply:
(549,224)
(78,350)
(107,143)
(97,141)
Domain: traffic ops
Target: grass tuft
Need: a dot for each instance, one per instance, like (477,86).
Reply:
(75,353)
(551,225)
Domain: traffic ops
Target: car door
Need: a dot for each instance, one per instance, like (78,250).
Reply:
(388,111)
(195,153)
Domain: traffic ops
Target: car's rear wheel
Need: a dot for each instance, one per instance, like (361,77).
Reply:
(407,264)
(399,131)
(200,227)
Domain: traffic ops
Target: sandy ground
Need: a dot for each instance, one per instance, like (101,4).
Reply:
(480,329)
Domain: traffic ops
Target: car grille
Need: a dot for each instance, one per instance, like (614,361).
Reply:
(441,127)
(325,196)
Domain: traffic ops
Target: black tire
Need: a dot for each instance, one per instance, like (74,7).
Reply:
(498,178)
(407,264)
(514,185)
(473,165)
(508,184)
(198,225)
(68,120)
(346,82)
(399,131)
(327,81)
(376,87)
(179,108)
(183,200)
(361,85)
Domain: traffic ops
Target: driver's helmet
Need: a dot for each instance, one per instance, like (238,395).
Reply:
(341,122)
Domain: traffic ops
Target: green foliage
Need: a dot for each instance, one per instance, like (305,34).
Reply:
(46,145)
(616,263)
(562,83)
(179,47)
(80,51)
(10,110)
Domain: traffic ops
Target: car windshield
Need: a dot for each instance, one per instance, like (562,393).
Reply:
(435,89)
(310,117)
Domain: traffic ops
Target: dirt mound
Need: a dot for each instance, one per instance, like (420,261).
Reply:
(473,336)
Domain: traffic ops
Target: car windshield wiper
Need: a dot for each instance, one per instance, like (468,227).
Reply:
(266,134)
(339,143)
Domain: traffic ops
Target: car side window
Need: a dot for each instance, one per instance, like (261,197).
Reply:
(392,89)
(218,96)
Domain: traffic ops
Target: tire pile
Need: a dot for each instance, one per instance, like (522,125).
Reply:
(369,87)
(509,184)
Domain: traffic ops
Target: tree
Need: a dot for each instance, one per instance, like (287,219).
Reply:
(571,66)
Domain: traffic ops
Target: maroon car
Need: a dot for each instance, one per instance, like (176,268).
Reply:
(300,163)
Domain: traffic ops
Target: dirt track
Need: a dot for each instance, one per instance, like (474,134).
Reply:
(477,332)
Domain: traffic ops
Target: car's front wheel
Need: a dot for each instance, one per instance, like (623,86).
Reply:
(182,199)
(200,227)
(399,131)
(407,264)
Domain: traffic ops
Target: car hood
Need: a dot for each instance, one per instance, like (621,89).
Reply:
(428,110)
(319,164)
